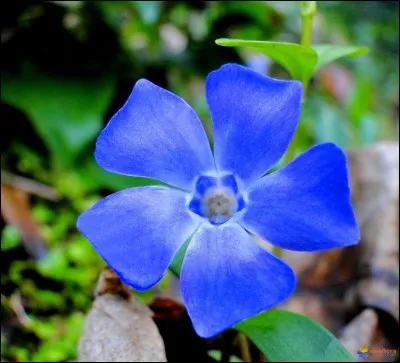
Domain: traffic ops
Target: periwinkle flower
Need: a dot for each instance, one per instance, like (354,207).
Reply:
(218,200)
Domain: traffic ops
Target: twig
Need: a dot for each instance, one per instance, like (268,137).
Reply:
(244,347)
(29,186)
(19,310)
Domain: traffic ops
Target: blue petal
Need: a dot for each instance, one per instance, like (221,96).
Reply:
(156,135)
(306,205)
(230,182)
(254,119)
(196,206)
(204,183)
(227,277)
(138,231)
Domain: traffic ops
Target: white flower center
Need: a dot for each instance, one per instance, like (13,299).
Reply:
(216,199)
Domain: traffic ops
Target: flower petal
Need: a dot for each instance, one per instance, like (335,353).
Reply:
(138,231)
(254,119)
(157,135)
(305,206)
(227,277)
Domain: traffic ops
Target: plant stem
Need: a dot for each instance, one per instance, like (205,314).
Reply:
(306,29)
(307,10)
(244,347)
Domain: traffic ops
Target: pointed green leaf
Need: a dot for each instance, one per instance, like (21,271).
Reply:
(327,53)
(283,336)
(298,60)
(66,112)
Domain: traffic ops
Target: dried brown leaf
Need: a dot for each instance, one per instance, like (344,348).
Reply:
(118,328)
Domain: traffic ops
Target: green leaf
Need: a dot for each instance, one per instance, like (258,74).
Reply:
(283,336)
(327,53)
(298,60)
(66,112)
(176,264)
(94,178)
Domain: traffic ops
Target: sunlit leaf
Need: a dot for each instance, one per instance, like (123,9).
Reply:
(298,60)
(283,336)
(327,53)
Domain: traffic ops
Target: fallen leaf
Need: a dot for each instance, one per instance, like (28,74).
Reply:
(360,330)
(118,328)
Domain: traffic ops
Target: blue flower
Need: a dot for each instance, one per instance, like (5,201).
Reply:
(220,200)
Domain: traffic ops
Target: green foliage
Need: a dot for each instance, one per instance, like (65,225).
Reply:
(67,113)
(300,61)
(176,264)
(60,335)
(93,178)
(328,53)
(10,238)
(284,336)
(149,11)
(308,8)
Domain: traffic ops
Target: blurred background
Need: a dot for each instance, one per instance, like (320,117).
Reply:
(68,66)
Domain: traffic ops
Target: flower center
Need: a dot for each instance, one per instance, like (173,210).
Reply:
(216,198)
